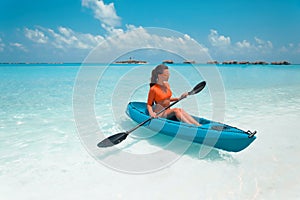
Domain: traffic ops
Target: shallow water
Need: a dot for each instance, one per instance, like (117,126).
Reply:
(43,155)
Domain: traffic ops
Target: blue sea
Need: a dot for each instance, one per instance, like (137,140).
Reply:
(53,115)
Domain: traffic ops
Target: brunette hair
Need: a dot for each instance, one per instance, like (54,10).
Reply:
(159,69)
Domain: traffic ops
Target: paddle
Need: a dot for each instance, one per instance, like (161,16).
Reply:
(119,137)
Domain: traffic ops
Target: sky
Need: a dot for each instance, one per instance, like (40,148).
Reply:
(68,30)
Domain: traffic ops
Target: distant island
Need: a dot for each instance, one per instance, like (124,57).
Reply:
(168,62)
(234,62)
(185,62)
(131,61)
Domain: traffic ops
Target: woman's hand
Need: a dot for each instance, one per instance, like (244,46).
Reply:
(153,114)
(184,95)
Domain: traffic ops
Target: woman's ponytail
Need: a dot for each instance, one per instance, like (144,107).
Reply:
(159,69)
(154,77)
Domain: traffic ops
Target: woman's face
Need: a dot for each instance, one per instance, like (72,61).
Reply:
(165,75)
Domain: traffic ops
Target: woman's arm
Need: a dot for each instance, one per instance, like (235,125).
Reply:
(174,99)
(151,112)
(150,102)
(184,95)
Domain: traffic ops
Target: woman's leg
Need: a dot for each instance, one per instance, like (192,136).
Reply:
(181,115)
(190,118)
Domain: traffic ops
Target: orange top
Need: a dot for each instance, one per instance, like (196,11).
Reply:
(156,94)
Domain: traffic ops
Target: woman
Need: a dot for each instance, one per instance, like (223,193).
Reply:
(160,96)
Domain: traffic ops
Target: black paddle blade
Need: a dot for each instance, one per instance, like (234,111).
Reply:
(112,140)
(197,88)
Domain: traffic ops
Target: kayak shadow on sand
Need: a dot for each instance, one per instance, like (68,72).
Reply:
(178,146)
(162,141)
(193,150)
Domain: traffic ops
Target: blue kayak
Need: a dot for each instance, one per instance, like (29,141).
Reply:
(211,133)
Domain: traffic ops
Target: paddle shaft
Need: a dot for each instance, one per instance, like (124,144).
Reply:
(144,122)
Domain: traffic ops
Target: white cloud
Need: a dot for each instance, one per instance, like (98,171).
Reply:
(291,48)
(67,38)
(263,44)
(138,38)
(36,36)
(117,39)
(218,40)
(19,46)
(111,30)
(221,46)
(65,31)
(64,38)
(106,13)
(243,44)
(259,41)
(186,36)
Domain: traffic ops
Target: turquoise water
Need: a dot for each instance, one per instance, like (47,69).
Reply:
(43,155)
